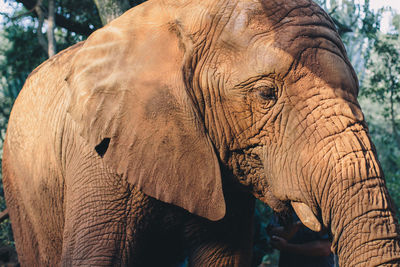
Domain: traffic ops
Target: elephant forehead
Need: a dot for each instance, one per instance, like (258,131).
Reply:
(252,19)
(271,35)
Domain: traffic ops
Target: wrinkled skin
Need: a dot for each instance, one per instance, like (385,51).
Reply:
(151,138)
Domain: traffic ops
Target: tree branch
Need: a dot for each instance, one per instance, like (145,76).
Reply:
(4,215)
(17,16)
(342,28)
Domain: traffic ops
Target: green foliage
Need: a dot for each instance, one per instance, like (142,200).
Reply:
(383,84)
(19,56)
(382,89)
(6,237)
(82,11)
(396,23)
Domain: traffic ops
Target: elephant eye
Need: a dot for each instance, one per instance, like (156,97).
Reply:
(266,92)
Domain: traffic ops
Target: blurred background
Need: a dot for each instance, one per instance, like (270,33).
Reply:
(33,30)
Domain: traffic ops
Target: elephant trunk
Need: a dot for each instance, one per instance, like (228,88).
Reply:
(364,228)
(356,204)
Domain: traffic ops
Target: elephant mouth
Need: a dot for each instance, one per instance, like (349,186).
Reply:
(247,165)
(277,205)
(283,208)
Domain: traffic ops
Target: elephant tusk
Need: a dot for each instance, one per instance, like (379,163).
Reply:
(306,216)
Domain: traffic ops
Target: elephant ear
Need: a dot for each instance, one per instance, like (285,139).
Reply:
(130,102)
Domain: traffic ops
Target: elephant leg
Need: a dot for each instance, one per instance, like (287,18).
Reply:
(23,231)
(224,243)
(219,254)
(35,241)
(111,223)
(101,213)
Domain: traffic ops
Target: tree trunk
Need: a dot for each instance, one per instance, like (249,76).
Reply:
(48,45)
(111,9)
(41,38)
(50,30)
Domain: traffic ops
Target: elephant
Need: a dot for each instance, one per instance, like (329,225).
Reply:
(150,141)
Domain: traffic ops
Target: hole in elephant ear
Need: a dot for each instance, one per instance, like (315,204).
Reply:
(101,148)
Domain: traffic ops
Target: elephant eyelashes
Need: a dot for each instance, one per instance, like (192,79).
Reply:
(267,93)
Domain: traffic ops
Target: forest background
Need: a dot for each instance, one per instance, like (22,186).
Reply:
(33,30)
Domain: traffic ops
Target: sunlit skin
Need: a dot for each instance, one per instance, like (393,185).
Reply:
(148,142)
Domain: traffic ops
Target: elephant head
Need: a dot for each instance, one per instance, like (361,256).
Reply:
(172,90)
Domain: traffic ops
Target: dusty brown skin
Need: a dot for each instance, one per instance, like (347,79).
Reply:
(199,104)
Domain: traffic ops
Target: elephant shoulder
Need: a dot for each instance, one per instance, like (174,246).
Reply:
(62,59)
(40,106)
